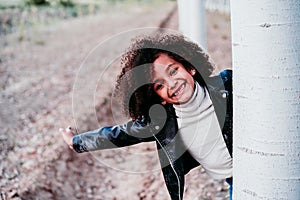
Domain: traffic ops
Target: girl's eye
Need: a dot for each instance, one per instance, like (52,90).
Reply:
(158,86)
(173,71)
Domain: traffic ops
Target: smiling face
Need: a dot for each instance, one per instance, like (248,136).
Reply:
(172,82)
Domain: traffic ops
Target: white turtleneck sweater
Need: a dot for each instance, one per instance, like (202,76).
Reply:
(201,134)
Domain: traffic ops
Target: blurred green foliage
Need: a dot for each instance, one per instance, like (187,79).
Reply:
(65,3)
(5,4)
(23,16)
(37,2)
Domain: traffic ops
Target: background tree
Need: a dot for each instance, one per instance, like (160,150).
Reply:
(192,21)
(266,61)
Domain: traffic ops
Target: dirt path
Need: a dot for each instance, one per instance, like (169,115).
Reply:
(37,81)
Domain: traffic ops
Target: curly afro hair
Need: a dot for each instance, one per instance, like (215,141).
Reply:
(134,86)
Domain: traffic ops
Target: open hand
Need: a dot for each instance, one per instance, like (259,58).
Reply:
(67,136)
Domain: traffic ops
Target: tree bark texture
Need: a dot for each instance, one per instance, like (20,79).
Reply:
(266,64)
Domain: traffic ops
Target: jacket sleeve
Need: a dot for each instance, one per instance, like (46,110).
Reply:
(227,128)
(226,75)
(112,137)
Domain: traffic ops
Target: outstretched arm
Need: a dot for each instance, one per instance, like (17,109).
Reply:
(108,137)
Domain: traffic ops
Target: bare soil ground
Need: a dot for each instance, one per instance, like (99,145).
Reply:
(37,80)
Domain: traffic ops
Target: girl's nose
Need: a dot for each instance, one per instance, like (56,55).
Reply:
(172,83)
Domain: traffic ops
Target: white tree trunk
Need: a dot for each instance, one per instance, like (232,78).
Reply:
(192,22)
(266,57)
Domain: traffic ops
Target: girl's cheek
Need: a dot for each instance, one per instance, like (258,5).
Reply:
(164,94)
(161,94)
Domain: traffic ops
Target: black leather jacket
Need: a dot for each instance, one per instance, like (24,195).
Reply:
(162,127)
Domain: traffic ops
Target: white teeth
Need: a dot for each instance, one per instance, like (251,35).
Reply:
(180,89)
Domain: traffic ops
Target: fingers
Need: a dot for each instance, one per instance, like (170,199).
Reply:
(61,130)
(68,130)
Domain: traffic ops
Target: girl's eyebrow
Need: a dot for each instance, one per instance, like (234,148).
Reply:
(156,81)
(168,66)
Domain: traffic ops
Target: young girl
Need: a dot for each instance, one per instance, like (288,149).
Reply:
(167,88)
